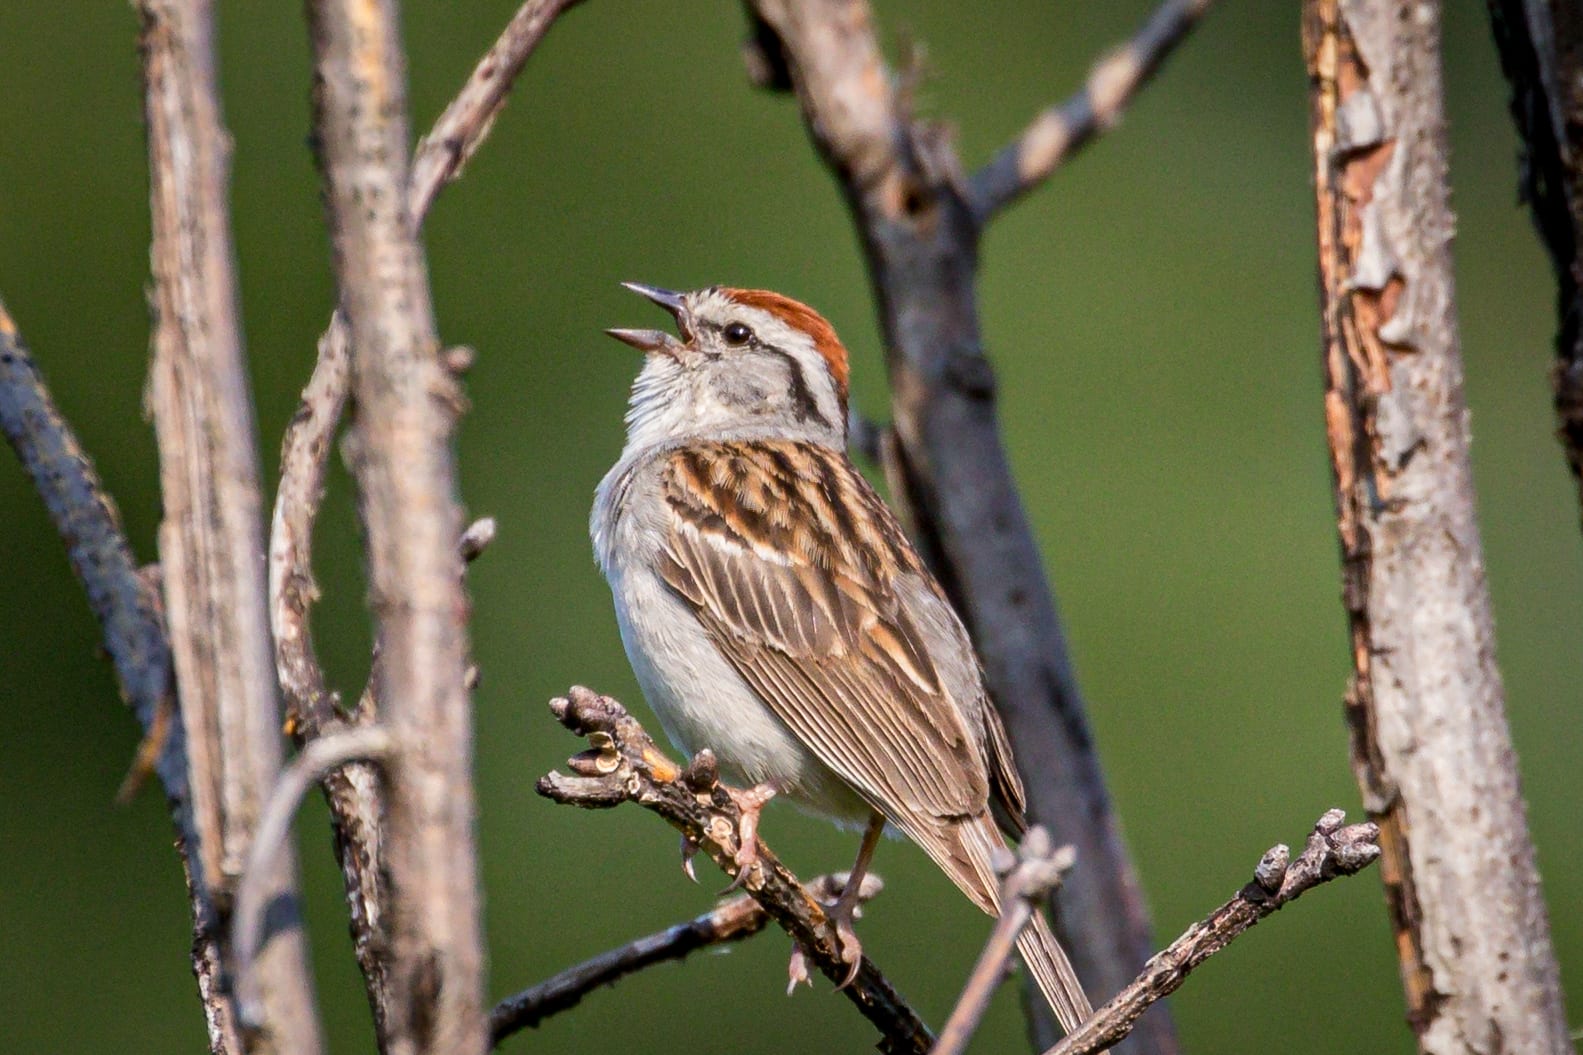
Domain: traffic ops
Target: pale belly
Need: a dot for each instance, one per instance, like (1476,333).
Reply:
(702,702)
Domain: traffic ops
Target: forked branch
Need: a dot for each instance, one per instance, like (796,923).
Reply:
(624,765)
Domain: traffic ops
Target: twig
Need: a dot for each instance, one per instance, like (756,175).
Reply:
(465,123)
(211,539)
(1037,869)
(623,765)
(127,608)
(1062,130)
(316,762)
(902,181)
(403,463)
(1332,851)
(1431,747)
(730,921)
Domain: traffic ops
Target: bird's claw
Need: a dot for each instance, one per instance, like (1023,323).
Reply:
(750,804)
(850,949)
(797,970)
(689,851)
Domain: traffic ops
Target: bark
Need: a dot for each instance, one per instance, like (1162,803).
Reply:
(126,604)
(920,233)
(404,466)
(211,538)
(1541,49)
(1431,747)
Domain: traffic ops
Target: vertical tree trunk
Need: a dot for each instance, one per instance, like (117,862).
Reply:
(1431,748)
(407,404)
(211,540)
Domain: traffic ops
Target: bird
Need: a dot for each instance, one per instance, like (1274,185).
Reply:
(774,611)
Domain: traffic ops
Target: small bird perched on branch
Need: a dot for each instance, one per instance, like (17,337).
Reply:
(775,612)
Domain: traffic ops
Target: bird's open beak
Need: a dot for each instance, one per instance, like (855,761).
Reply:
(654,341)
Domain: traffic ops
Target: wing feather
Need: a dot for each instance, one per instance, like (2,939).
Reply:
(791,561)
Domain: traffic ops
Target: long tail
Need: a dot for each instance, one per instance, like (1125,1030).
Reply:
(967,863)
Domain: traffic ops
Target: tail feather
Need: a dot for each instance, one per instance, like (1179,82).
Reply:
(966,859)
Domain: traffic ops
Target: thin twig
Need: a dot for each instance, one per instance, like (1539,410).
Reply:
(316,762)
(948,468)
(730,921)
(623,765)
(1332,850)
(211,540)
(1061,131)
(465,123)
(404,465)
(1037,869)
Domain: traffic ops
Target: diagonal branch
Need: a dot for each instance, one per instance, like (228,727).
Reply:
(730,921)
(127,608)
(1027,878)
(1065,128)
(902,181)
(623,765)
(1332,851)
(404,465)
(211,538)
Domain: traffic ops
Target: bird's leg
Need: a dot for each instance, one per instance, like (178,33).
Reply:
(844,911)
(750,803)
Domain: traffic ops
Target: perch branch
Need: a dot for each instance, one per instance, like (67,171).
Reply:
(730,921)
(623,765)
(1037,869)
(1332,850)
(902,181)
(211,544)
(404,466)
(127,607)
(316,762)
(1061,131)
(1431,748)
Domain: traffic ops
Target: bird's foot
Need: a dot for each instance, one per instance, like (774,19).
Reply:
(844,912)
(750,803)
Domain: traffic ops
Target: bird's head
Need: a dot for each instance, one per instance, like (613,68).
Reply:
(747,363)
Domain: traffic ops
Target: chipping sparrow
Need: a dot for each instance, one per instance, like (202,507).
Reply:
(774,611)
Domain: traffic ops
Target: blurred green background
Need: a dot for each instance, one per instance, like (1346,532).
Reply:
(1151,313)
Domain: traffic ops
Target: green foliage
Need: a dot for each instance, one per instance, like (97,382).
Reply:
(1151,314)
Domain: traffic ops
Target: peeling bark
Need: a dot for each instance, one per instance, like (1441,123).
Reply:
(1431,748)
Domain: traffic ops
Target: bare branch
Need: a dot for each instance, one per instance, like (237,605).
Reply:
(1332,851)
(623,765)
(211,539)
(1061,131)
(316,762)
(1035,871)
(404,466)
(1431,748)
(128,610)
(465,123)
(903,183)
(1541,49)
(730,921)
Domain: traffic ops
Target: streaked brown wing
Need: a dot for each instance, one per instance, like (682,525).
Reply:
(790,559)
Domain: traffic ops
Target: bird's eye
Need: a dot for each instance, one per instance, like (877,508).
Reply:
(737,334)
